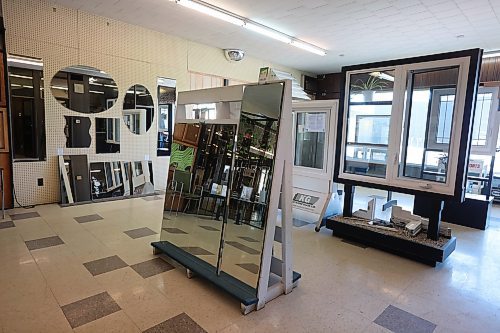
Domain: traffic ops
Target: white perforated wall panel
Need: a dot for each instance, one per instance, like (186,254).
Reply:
(130,54)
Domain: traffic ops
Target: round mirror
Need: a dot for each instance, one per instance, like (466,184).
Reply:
(84,89)
(138,109)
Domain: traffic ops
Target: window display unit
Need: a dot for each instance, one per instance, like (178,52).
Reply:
(406,124)
(407,127)
(315,128)
(228,167)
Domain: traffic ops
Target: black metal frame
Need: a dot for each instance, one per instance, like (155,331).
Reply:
(475,56)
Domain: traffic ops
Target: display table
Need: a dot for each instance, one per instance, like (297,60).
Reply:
(419,248)
(474,212)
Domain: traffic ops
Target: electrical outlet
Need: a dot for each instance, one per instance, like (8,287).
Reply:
(40,181)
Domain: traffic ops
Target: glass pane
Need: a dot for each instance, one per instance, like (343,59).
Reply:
(197,190)
(368,123)
(251,182)
(481,118)
(138,109)
(429,112)
(310,139)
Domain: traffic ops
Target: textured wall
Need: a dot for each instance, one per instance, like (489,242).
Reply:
(130,54)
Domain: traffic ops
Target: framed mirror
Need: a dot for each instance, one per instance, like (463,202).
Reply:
(107,135)
(251,181)
(138,109)
(84,89)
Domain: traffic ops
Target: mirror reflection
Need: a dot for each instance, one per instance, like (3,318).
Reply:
(106,180)
(107,135)
(197,189)
(138,109)
(251,182)
(74,176)
(76,131)
(84,89)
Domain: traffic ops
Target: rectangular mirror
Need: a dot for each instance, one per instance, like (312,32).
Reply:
(251,181)
(74,176)
(142,178)
(107,135)
(197,189)
(106,179)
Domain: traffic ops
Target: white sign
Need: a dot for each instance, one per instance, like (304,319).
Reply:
(315,122)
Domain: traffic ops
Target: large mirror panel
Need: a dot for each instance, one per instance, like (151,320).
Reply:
(197,189)
(84,89)
(251,182)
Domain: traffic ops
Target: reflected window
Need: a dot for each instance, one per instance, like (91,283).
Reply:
(201,111)
(107,137)
(27,108)
(368,122)
(138,109)
(310,136)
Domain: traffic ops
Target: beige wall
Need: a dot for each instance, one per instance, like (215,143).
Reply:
(130,54)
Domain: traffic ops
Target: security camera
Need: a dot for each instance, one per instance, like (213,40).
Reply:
(234,54)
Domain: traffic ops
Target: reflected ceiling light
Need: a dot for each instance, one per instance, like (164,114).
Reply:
(208,10)
(227,16)
(383,76)
(491,54)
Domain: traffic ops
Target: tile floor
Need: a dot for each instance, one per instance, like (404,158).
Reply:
(60,275)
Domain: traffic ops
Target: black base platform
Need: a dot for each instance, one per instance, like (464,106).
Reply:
(246,294)
(423,253)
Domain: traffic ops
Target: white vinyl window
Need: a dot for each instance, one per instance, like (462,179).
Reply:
(402,125)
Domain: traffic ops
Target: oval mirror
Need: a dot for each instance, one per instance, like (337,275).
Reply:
(84,89)
(138,109)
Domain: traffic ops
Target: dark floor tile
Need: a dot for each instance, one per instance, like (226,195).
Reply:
(88,218)
(400,321)
(152,267)
(242,247)
(175,231)
(347,241)
(104,265)
(179,324)
(89,309)
(152,198)
(7,224)
(41,243)
(196,251)
(138,233)
(300,223)
(249,239)
(252,268)
(22,216)
(209,228)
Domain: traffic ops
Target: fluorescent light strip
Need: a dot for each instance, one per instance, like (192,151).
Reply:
(263,30)
(224,15)
(217,13)
(308,47)
(25,61)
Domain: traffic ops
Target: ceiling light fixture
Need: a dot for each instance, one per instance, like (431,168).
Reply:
(211,11)
(265,31)
(383,76)
(491,54)
(227,16)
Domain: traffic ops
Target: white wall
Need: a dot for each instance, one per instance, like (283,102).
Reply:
(130,54)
